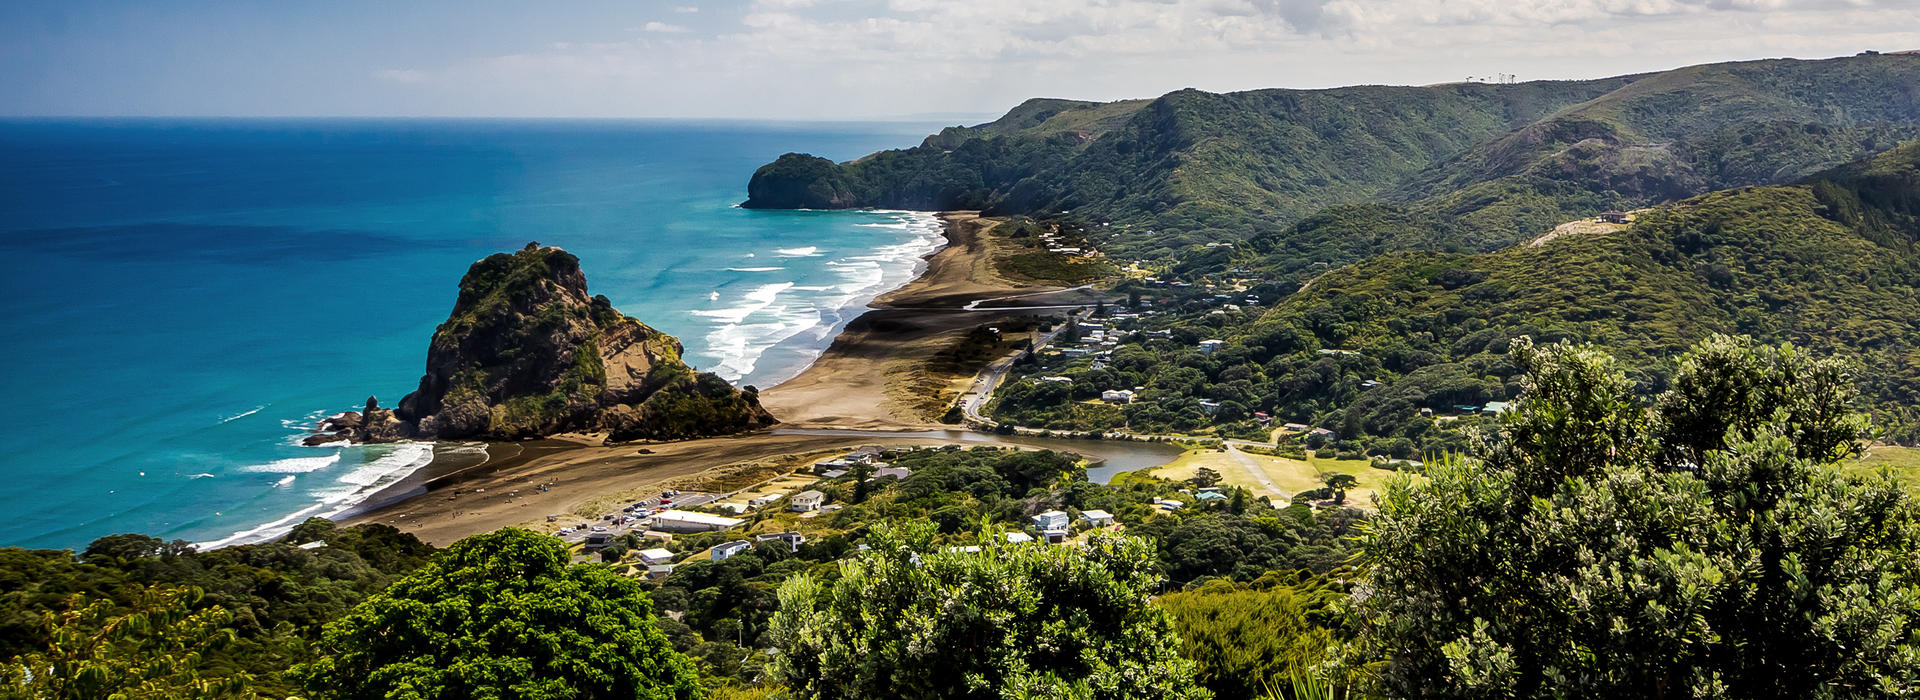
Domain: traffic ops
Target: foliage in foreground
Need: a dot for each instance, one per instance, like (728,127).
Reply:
(502,615)
(156,650)
(1705,548)
(1008,621)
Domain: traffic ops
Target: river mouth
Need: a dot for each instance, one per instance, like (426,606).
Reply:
(1112,457)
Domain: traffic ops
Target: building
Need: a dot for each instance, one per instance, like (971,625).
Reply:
(689,521)
(599,540)
(793,540)
(1262,417)
(1613,217)
(763,499)
(1296,427)
(654,556)
(1096,518)
(1209,406)
(893,472)
(1168,504)
(1209,347)
(1055,536)
(1062,380)
(724,550)
(1117,396)
(833,465)
(806,501)
(1051,520)
(1018,538)
(659,571)
(1497,407)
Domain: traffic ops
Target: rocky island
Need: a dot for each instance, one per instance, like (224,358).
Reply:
(528,353)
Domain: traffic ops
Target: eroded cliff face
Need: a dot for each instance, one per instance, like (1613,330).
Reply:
(528,353)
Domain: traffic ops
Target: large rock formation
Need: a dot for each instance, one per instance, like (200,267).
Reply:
(527,353)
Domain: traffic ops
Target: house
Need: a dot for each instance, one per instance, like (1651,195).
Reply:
(1168,504)
(689,521)
(1612,217)
(806,501)
(1051,520)
(1073,352)
(724,550)
(892,472)
(1369,384)
(1497,407)
(867,453)
(659,571)
(833,474)
(1096,518)
(1018,538)
(1426,412)
(1117,396)
(1209,406)
(792,539)
(1296,427)
(1062,380)
(1055,536)
(763,499)
(1262,417)
(1209,347)
(654,556)
(833,465)
(598,540)
(1322,432)
(1209,494)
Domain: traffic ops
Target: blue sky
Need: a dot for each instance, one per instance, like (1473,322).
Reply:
(847,59)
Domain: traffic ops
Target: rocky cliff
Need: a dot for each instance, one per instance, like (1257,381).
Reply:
(527,353)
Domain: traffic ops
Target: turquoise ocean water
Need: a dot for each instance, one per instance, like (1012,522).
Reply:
(181,298)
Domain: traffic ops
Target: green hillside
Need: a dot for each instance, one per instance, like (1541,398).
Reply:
(1466,167)
(1830,265)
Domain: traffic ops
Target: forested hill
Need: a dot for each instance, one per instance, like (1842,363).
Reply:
(1464,167)
(1831,264)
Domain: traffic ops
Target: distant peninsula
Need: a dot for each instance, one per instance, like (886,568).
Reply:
(528,353)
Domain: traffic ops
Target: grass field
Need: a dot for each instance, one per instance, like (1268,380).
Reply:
(1278,477)
(1903,462)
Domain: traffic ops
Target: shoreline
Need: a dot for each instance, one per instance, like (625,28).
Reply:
(856,383)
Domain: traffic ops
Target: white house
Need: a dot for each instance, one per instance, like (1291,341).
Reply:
(654,556)
(793,540)
(1097,518)
(1051,520)
(689,521)
(1117,396)
(727,549)
(1209,347)
(806,501)
(1018,538)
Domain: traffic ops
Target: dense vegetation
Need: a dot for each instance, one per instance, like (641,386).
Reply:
(1706,546)
(275,597)
(1830,264)
(1468,167)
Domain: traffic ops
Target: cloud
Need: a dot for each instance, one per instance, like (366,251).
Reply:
(827,58)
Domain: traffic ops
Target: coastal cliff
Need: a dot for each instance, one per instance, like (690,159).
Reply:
(527,353)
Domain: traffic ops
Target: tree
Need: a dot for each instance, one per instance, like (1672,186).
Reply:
(502,615)
(157,650)
(1339,483)
(1244,640)
(1600,549)
(1205,477)
(907,620)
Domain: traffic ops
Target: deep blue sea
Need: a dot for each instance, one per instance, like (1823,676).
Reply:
(181,299)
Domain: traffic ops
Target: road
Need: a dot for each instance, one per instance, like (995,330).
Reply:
(989,379)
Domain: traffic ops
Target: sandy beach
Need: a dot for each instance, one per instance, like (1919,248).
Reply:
(861,382)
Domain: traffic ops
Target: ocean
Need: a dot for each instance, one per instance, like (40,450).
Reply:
(184,298)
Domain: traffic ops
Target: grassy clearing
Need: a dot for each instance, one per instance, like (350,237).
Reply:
(1289,475)
(1902,462)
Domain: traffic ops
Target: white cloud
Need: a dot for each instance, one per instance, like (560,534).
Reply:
(832,58)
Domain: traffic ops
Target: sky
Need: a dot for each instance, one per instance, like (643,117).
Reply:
(848,59)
